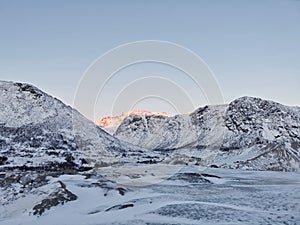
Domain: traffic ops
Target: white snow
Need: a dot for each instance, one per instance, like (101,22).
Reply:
(263,197)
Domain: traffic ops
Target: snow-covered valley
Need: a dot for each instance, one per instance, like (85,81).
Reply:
(226,164)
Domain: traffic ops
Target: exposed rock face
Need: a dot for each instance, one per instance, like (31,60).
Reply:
(258,121)
(265,134)
(38,130)
(249,133)
(60,196)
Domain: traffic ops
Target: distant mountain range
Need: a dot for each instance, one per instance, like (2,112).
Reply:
(39,131)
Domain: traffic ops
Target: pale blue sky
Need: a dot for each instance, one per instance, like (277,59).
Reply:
(253,47)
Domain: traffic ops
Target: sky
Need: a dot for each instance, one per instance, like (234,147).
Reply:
(251,47)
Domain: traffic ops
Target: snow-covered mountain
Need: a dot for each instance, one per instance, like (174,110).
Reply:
(38,130)
(111,123)
(57,167)
(249,133)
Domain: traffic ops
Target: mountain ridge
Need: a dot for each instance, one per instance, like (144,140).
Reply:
(247,124)
(39,131)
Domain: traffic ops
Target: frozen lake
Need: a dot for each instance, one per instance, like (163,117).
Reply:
(218,196)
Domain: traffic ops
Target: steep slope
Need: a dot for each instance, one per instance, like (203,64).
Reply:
(161,132)
(248,133)
(262,135)
(37,130)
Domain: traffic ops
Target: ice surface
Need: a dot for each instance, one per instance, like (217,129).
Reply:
(231,197)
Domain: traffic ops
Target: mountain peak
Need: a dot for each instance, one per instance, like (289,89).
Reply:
(48,132)
(114,121)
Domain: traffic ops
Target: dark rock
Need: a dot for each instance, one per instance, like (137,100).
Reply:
(117,207)
(61,196)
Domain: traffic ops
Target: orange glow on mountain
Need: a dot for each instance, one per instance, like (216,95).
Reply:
(114,121)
